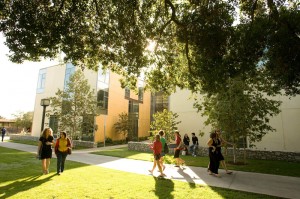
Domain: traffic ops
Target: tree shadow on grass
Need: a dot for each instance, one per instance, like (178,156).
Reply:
(164,188)
(18,186)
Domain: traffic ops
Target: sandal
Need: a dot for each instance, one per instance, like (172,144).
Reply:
(229,172)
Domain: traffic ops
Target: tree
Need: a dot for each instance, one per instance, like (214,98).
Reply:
(122,126)
(198,44)
(166,121)
(72,105)
(242,111)
(23,120)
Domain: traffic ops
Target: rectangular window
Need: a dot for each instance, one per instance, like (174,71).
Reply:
(127,92)
(70,70)
(102,91)
(53,123)
(41,81)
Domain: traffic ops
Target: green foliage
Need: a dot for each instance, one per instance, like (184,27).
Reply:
(242,110)
(122,126)
(23,120)
(197,44)
(166,121)
(74,104)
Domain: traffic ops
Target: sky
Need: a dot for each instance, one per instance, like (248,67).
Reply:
(18,83)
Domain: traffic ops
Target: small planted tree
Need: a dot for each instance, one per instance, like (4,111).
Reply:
(243,111)
(166,121)
(74,103)
(122,126)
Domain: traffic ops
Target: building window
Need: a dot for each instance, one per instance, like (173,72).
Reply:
(102,91)
(70,70)
(133,117)
(127,92)
(41,81)
(53,124)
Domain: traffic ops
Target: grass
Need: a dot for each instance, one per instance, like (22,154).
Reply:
(258,166)
(20,175)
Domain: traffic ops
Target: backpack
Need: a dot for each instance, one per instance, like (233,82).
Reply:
(166,148)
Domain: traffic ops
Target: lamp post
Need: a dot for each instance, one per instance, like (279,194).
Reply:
(44,104)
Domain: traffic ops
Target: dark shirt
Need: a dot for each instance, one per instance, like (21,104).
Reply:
(195,140)
(186,141)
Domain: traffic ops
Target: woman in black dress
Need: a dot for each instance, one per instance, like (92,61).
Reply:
(212,143)
(46,142)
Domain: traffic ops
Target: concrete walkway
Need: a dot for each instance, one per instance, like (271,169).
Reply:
(281,186)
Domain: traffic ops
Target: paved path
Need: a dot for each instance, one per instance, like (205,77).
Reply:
(281,186)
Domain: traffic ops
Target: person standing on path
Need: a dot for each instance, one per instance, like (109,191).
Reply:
(3,131)
(46,142)
(62,147)
(157,148)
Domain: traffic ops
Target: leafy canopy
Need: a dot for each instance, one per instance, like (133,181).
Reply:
(198,44)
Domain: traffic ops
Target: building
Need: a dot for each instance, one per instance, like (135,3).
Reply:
(111,101)
(287,123)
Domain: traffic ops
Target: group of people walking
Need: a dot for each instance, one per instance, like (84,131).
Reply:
(214,147)
(62,148)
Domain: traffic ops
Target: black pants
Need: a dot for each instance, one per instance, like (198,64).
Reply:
(214,162)
(3,134)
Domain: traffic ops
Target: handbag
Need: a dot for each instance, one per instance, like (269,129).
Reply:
(70,146)
(69,151)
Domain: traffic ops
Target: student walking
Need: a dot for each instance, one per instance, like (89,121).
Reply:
(214,163)
(163,152)
(62,147)
(219,150)
(179,147)
(157,148)
(44,153)
(3,131)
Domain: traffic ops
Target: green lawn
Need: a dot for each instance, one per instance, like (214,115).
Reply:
(259,166)
(20,177)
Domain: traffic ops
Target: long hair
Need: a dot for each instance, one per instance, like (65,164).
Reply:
(45,132)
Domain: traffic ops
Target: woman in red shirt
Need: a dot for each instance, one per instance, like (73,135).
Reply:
(157,148)
(179,147)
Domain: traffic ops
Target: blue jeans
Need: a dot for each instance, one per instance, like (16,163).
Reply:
(61,158)
(193,148)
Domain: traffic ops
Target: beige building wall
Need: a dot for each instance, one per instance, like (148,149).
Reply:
(117,104)
(287,123)
(55,76)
